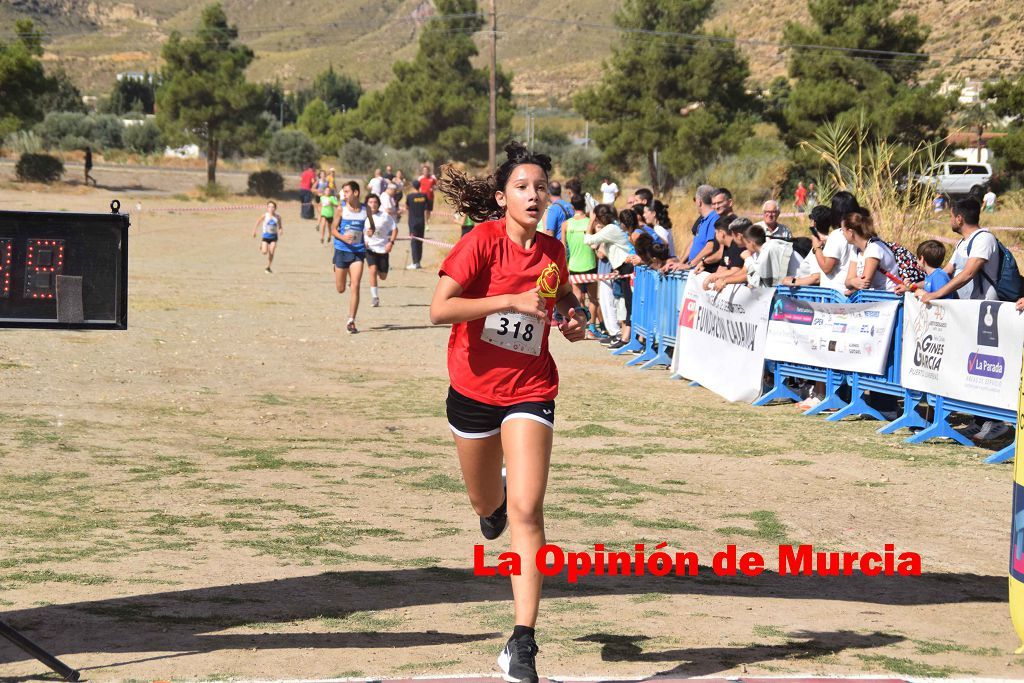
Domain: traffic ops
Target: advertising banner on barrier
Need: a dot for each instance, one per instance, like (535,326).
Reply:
(850,337)
(720,342)
(967,350)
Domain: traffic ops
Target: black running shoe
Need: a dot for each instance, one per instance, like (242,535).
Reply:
(494,524)
(518,660)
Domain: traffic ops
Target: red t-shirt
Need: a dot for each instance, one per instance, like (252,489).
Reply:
(801,196)
(427,186)
(306,180)
(487,263)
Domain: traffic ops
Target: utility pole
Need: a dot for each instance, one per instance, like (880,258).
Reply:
(492,119)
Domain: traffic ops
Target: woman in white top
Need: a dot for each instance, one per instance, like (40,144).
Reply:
(872,257)
(381,233)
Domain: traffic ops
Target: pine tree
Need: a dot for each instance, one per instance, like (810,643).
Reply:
(438,100)
(679,98)
(849,66)
(204,95)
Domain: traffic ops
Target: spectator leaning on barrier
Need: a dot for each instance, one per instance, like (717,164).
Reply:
(973,272)
(711,262)
(613,248)
(872,257)
(772,228)
(627,224)
(721,202)
(730,236)
(704,241)
(832,251)
(657,218)
(809,274)
(754,240)
(930,256)
(974,268)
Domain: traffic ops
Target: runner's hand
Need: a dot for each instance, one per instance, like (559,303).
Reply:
(574,326)
(529,303)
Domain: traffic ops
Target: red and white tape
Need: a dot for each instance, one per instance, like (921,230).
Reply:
(446,245)
(585,279)
(197,209)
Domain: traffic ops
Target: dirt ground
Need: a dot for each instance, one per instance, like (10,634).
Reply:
(236,488)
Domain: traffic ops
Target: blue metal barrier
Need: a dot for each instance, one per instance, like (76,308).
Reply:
(833,379)
(887,383)
(642,309)
(656,303)
(666,321)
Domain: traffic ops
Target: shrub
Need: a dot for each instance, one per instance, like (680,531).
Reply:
(143,138)
(23,141)
(409,160)
(586,164)
(73,142)
(266,183)
(39,168)
(102,131)
(360,158)
(292,149)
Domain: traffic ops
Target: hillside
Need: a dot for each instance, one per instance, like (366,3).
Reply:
(550,55)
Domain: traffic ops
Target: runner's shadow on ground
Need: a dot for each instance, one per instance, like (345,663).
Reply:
(333,608)
(710,660)
(398,328)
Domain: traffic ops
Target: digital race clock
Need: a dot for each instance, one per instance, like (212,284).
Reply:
(64,270)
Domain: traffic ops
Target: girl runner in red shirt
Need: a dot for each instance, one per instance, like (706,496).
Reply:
(498,289)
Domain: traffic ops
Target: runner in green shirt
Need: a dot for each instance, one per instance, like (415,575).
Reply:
(328,202)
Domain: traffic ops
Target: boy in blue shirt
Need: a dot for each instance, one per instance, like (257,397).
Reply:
(930,255)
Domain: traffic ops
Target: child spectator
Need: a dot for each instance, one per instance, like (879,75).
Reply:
(930,255)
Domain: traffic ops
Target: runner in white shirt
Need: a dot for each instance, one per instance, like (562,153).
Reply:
(381,233)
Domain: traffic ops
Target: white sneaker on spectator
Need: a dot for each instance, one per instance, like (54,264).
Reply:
(992,429)
(811,401)
(413,266)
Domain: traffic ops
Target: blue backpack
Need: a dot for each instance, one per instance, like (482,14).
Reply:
(1008,282)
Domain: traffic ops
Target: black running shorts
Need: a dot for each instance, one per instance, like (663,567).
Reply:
(472,419)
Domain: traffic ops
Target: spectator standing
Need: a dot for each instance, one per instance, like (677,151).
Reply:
(609,192)
(306,181)
(773,229)
(427,180)
(387,200)
(557,213)
(389,174)
(989,200)
(812,197)
(800,197)
(582,260)
(377,183)
(416,207)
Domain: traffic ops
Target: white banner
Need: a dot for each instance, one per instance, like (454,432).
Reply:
(967,350)
(850,337)
(720,342)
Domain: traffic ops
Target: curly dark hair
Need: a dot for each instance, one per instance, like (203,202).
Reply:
(474,197)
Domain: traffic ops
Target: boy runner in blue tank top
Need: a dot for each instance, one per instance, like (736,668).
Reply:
(349,248)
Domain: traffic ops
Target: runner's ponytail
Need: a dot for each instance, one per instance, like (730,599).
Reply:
(474,197)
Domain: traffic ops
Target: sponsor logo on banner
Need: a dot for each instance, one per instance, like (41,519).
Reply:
(688,313)
(984,365)
(988,324)
(793,311)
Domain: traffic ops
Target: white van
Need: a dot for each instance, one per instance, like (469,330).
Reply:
(958,178)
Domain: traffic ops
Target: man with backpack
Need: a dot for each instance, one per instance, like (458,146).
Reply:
(982,268)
